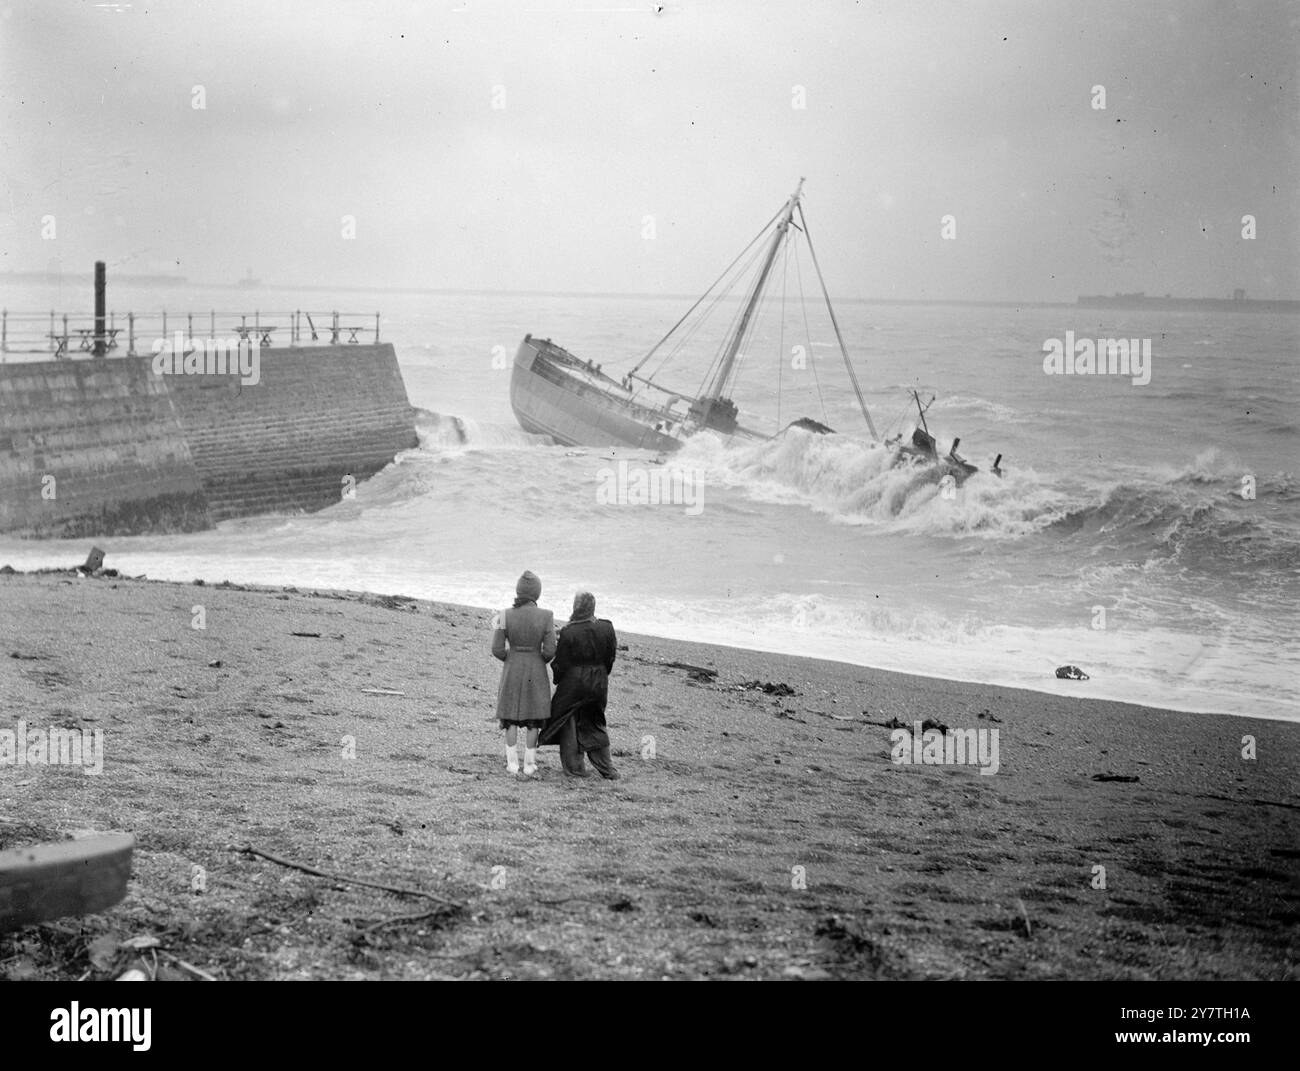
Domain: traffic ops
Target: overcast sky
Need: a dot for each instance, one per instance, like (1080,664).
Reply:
(384,112)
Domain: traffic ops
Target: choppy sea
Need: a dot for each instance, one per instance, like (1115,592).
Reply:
(1123,537)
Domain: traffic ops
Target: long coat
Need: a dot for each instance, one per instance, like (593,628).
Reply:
(525,641)
(584,658)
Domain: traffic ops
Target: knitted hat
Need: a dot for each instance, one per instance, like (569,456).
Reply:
(529,587)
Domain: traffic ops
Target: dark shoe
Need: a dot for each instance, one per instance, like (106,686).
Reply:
(600,758)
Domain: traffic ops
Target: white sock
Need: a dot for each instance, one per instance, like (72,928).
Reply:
(512,757)
(530,758)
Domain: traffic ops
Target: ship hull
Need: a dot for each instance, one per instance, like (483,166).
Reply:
(549,399)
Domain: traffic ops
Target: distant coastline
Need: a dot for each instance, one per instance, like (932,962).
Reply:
(1238,303)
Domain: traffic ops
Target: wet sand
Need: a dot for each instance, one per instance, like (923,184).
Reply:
(752,835)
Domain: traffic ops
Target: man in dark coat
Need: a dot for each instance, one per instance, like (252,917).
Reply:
(584,657)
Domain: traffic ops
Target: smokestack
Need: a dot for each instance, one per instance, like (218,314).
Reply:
(99,308)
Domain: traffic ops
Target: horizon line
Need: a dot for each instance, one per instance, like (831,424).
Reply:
(157,279)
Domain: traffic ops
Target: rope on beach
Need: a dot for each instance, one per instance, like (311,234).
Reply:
(248,849)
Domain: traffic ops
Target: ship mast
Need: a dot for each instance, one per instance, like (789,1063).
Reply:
(719,382)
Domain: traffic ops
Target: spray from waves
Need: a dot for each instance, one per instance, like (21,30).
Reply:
(856,483)
(441,432)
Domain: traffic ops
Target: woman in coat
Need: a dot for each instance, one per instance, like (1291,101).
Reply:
(584,657)
(523,637)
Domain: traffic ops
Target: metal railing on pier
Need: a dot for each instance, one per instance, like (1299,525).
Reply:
(131,334)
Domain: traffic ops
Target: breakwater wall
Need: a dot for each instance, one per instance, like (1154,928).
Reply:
(107,446)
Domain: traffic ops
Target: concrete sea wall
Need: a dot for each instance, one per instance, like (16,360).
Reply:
(131,451)
(93,447)
(318,414)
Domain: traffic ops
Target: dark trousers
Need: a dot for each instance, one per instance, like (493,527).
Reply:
(586,737)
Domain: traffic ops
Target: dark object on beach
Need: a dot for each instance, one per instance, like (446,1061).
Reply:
(389,602)
(7,570)
(313,635)
(933,723)
(197,583)
(622,904)
(1071,673)
(768,687)
(94,561)
(985,714)
(1125,778)
(698,672)
(894,723)
(215,664)
(72,877)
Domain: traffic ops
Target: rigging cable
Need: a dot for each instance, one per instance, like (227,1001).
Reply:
(812,362)
(700,321)
(707,292)
(780,351)
(853,376)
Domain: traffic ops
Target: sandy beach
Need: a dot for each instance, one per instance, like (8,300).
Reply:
(755,834)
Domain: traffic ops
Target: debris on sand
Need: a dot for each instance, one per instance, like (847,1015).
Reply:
(1071,673)
(766,687)
(696,672)
(1124,778)
(855,948)
(388,602)
(991,717)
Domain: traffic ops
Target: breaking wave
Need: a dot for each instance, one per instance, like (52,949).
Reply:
(1194,515)
(854,482)
(440,432)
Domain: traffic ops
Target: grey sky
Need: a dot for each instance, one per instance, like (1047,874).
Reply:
(384,112)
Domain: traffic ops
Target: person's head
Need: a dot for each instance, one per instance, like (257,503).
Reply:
(529,588)
(584,606)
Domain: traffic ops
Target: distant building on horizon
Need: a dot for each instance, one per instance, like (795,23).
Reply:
(1138,300)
